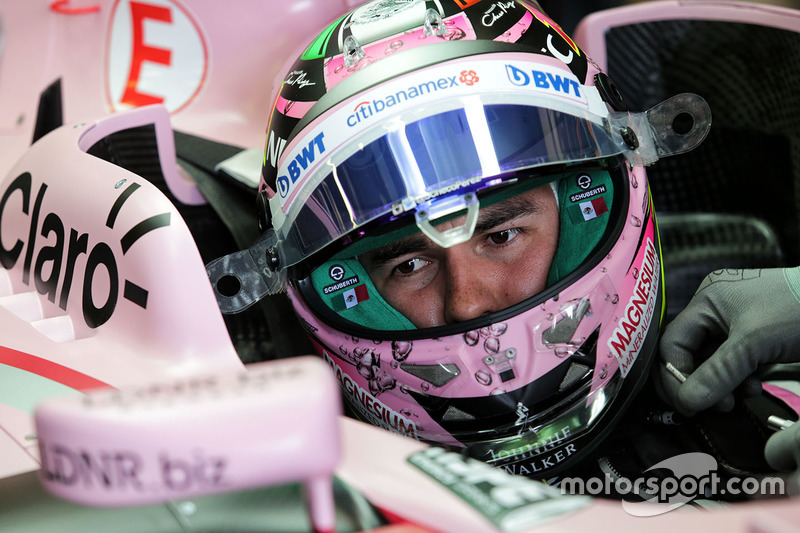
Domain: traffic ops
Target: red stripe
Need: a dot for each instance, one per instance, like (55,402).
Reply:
(62,6)
(362,293)
(599,205)
(395,519)
(49,370)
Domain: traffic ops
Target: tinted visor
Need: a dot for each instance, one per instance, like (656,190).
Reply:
(456,151)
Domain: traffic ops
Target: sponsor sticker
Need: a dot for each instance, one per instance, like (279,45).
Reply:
(54,270)
(349,282)
(552,81)
(368,109)
(310,155)
(586,211)
(627,339)
(588,194)
(300,163)
(157,54)
(117,470)
(510,502)
(350,298)
(368,407)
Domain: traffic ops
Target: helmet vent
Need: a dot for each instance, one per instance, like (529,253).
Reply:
(575,373)
(456,415)
(434,24)
(436,375)
(563,330)
(353,52)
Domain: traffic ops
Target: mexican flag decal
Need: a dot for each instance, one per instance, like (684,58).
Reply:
(585,211)
(350,298)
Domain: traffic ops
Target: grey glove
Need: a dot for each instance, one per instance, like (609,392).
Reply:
(783,449)
(743,319)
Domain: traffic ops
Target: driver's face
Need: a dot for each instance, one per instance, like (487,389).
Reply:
(506,260)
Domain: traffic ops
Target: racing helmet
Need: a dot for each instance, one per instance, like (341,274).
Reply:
(404,117)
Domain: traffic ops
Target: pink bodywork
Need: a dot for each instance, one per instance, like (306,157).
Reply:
(102,287)
(113,291)
(590,33)
(180,333)
(153,443)
(212,64)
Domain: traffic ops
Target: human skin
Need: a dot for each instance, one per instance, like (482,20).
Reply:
(506,260)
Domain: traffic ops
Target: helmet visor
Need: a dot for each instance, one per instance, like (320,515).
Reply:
(458,151)
(429,159)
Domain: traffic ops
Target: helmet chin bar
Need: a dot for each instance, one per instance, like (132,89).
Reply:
(439,208)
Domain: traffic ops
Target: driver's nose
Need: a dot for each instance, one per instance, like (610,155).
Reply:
(471,290)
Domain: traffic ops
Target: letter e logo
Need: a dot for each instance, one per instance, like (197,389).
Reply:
(156,54)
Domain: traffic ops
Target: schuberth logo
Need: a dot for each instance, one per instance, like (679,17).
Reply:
(157,54)
(336,272)
(588,194)
(53,265)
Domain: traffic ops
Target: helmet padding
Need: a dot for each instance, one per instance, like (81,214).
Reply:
(345,286)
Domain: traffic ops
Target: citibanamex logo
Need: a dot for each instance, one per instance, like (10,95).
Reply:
(469,77)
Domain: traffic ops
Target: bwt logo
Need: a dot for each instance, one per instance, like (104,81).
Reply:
(157,55)
(299,165)
(543,80)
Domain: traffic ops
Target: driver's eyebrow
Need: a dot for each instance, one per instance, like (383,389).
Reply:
(489,217)
(385,254)
(499,214)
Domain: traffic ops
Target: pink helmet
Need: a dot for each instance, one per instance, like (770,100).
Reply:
(403,114)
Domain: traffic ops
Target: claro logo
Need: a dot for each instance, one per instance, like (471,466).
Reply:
(62,250)
(156,54)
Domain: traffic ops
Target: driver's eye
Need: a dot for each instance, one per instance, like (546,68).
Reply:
(502,237)
(408,267)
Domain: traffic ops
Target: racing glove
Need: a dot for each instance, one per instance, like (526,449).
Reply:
(782,451)
(743,319)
